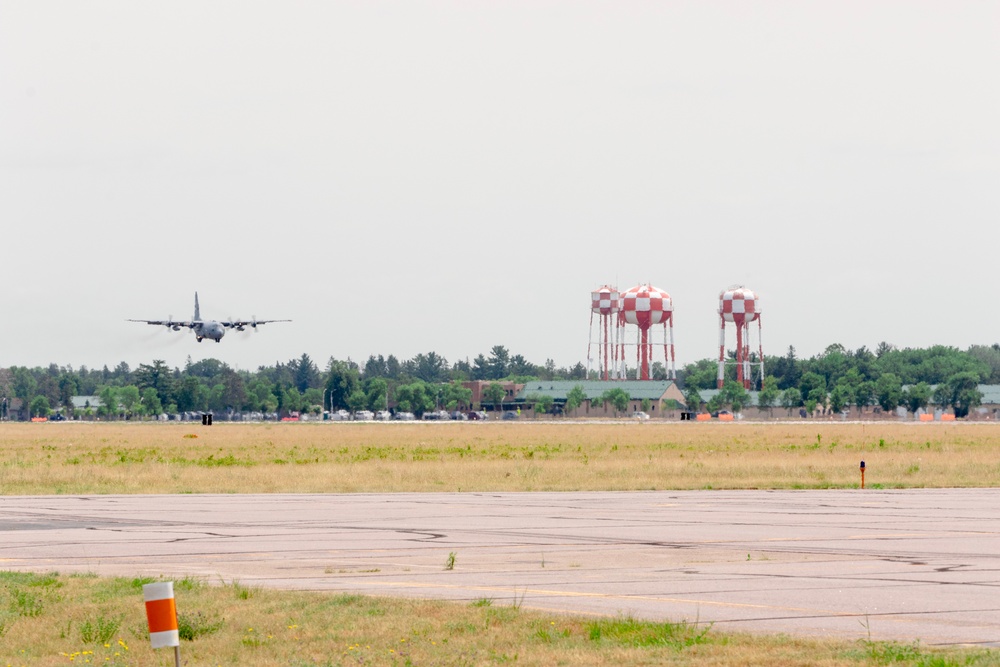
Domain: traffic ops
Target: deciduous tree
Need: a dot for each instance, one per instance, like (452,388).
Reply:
(128,398)
(151,404)
(341,381)
(575,397)
(769,394)
(40,407)
(791,398)
(888,391)
(494,395)
(618,398)
(963,393)
(917,396)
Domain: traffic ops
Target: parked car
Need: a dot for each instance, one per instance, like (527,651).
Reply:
(458,415)
(340,416)
(404,416)
(478,415)
(364,416)
(640,415)
(383,415)
(510,415)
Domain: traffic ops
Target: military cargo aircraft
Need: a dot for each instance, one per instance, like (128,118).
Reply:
(213,329)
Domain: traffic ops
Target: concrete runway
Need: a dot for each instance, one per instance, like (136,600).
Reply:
(919,564)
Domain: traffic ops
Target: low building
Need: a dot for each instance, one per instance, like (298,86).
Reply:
(664,396)
(990,406)
(84,402)
(478,388)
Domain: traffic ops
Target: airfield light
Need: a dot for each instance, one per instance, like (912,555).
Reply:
(862,474)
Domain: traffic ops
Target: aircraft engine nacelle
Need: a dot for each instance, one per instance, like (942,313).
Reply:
(175,328)
(241,328)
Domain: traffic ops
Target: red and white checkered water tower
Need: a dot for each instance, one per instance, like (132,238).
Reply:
(740,306)
(605,303)
(646,306)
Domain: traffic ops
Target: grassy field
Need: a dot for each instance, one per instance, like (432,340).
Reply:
(75,458)
(52,619)
(68,619)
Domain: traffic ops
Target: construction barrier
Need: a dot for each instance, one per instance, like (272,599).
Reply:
(926,417)
(725,418)
(947,418)
(703,417)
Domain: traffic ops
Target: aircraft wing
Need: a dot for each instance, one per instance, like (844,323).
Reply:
(240,325)
(173,324)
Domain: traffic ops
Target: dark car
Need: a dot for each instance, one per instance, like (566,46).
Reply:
(510,414)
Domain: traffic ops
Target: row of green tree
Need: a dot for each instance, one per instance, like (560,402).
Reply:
(886,377)
(839,378)
(425,382)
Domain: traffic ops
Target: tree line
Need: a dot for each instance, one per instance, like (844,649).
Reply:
(838,378)
(835,379)
(421,384)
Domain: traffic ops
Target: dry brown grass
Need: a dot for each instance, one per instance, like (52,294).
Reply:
(552,456)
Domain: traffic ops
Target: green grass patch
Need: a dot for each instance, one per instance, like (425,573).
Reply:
(628,631)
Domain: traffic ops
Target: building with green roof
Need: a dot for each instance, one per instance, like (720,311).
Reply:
(664,396)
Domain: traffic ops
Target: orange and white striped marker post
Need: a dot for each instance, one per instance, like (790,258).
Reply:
(161,612)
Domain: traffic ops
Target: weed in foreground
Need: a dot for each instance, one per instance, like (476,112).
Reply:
(628,631)
(346,600)
(449,563)
(198,624)
(243,592)
(25,603)
(100,630)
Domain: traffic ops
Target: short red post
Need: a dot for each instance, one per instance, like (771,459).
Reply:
(862,474)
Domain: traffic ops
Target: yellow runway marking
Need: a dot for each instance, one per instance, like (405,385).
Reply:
(606,596)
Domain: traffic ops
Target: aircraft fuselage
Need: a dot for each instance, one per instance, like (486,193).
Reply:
(209,329)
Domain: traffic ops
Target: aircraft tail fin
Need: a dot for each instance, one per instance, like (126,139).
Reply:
(197,310)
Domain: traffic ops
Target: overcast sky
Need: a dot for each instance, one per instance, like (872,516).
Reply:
(401,177)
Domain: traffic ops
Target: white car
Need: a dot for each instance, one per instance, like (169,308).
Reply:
(642,416)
